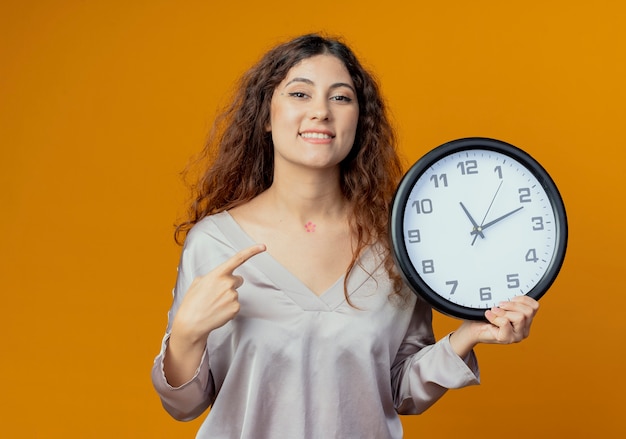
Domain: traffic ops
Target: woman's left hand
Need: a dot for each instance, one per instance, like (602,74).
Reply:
(508,323)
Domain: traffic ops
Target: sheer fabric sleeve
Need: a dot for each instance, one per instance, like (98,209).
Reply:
(191,399)
(424,370)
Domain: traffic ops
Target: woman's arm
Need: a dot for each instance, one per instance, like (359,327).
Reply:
(205,298)
(210,302)
(424,369)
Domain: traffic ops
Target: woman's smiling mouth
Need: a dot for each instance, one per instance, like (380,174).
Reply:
(316,135)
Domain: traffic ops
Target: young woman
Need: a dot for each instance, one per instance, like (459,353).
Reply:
(289,318)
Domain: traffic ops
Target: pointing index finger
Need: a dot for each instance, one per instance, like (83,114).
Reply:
(241,257)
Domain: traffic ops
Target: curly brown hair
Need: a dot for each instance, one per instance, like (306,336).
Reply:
(237,162)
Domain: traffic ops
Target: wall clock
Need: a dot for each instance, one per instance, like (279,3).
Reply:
(475,222)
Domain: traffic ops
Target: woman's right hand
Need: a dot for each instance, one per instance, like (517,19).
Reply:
(212,299)
(210,302)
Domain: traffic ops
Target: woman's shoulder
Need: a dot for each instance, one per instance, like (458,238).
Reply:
(210,240)
(208,227)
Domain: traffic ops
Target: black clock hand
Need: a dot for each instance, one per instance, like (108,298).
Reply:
(477,229)
(491,223)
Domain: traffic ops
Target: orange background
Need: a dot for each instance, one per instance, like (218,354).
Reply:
(103,102)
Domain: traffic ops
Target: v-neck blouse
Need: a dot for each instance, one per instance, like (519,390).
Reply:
(293,364)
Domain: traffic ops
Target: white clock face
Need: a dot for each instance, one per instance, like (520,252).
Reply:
(479,228)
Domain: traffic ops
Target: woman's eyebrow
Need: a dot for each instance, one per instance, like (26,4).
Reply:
(332,87)
(305,80)
(343,84)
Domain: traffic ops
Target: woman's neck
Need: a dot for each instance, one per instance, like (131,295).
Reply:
(303,201)
(304,196)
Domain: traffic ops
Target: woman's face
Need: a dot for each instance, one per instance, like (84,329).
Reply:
(314,114)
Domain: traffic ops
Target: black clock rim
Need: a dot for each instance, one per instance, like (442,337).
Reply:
(398,207)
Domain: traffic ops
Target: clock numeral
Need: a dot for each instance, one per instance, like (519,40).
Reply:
(424,206)
(485,293)
(414,236)
(468,167)
(531,255)
(498,170)
(512,280)
(524,195)
(538,222)
(428,266)
(454,283)
(437,178)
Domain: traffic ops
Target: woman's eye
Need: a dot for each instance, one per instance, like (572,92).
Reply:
(342,98)
(297,94)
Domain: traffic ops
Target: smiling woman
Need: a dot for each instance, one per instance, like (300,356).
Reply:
(288,333)
(314,115)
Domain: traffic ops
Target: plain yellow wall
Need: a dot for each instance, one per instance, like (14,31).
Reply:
(102,103)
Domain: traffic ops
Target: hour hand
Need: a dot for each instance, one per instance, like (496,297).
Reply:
(477,230)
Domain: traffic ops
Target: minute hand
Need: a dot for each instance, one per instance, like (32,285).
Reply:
(491,223)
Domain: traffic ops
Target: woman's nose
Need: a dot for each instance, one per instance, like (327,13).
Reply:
(320,110)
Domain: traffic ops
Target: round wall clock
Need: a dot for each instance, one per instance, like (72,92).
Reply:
(475,222)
